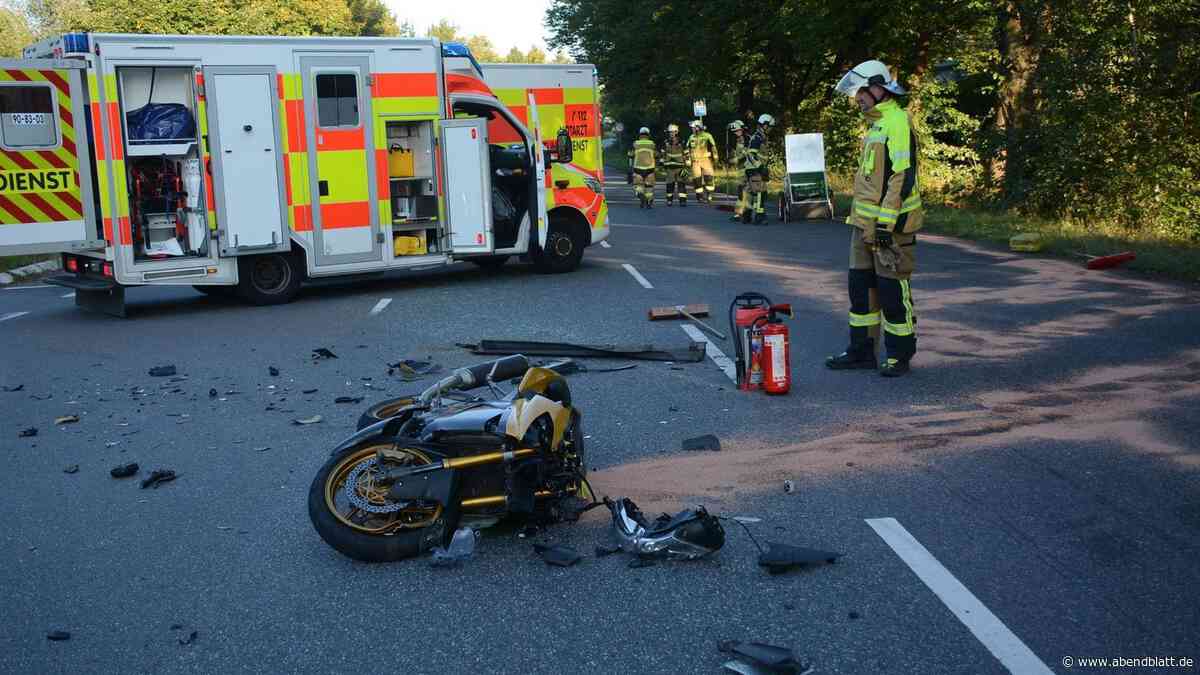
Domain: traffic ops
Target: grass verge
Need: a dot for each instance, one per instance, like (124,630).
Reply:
(13,262)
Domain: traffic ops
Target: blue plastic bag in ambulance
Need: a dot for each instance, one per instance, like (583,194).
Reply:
(161,122)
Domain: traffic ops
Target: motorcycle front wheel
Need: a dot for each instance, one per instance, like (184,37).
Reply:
(355,516)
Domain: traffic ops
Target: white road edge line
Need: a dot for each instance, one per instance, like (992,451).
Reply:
(69,295)
(723,362)
(991,631)
(637,275)
(25,288)
(380,306)
(11,315)
(605,244)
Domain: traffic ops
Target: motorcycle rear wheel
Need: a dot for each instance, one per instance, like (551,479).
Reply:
(367,535)
(384,409)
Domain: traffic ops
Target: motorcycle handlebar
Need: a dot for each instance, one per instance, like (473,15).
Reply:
(478,375)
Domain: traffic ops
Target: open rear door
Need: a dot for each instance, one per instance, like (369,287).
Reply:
(468,185)
(539,163)
(46,202)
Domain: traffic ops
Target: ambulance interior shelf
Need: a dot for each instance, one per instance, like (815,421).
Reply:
(164,174)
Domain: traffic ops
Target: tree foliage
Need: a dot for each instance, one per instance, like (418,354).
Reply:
(1078,108)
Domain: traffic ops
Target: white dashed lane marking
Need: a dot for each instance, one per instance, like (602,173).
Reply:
(637,275)
(380,306)
(718,357)
(987,628)
(11,315)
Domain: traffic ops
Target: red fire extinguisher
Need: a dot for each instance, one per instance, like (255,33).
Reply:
(745,310)
(775,355)
(761,343)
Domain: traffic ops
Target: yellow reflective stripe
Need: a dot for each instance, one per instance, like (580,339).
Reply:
(868,210)
(887,220)
(864,320)
(899,329)
(298,172)
(347,168)
(578,96)
(511,97)
(886,211)
(910,314)
(913,202)
(410,105)
(876,138)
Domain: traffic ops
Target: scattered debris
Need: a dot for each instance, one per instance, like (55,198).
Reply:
(27,433)
(605,550)
(570,367)
(18,387)
(1026,242)
(461,548)
(66,419)
(162,371)
(212,393)
(47,397)
(561,556)
(348,399)
(759,658)
(263,448)
(411,369)
(273,371)
(1105,262)
(113,444)
(788,487)
(124,470)
(176,626)
(854,615)
(309,391)
(779,558)
(746,519)
(701,443)
(694,352)
(322,353)
(58,635)
(74,468)
(308,420)
(158,477)
(190,638)
(687,535)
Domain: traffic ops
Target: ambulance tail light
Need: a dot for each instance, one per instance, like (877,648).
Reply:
(72,264)
(107,269)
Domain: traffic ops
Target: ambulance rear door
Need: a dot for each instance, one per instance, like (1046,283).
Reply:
(46,198)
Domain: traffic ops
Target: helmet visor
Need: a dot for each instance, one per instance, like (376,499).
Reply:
(850,83)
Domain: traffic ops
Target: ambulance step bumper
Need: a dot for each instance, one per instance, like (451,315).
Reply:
(94,294)
(80,283)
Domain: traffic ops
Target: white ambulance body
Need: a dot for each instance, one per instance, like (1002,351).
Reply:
(251,163)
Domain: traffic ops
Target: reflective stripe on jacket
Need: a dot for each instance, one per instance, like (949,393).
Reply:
(752,159)
(643,153)
(702,146)
(673,153)
(886,192)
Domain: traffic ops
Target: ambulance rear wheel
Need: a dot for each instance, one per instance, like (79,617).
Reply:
(270,279)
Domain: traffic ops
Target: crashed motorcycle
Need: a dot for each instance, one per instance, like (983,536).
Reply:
(421,466)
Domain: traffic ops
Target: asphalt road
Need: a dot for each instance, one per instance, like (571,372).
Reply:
(1042,451)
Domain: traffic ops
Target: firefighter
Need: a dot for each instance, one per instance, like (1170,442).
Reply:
(737,156)
(674,154)
(756,171)
(644,152)
(886,214)
(703,150)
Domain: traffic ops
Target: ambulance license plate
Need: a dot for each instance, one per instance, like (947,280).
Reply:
(28,119)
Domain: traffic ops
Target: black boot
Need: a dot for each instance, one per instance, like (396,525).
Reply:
(894,368)
(856,357)
(760,219)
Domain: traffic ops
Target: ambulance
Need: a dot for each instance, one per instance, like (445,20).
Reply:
(249,164)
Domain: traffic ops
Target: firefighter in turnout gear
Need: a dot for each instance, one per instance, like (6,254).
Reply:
(703,150)
(757,174)
(674,163)
(644,152)
(886,214)
(737,156)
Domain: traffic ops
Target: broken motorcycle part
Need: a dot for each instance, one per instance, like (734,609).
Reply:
(158,477)
(780,558)
(124,470)
(758,657)
(689,534)
(559,556)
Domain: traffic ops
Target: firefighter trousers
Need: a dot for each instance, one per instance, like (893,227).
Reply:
(885,273)
(756,186)
(676,178)
(643,183)
(702,177)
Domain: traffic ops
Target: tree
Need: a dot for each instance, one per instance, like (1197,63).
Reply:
(534,55)
(15,32)
(223,17)
(443,30)
(372,17)
(483,49)
(515,55)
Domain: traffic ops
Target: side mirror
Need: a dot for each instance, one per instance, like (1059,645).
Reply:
(564,151)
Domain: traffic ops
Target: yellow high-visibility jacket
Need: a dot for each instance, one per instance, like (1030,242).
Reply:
(887,194)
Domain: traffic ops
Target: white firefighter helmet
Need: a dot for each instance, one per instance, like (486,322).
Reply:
(766,119)
(672,128)
(736,125)
(644,130)
(869,72)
